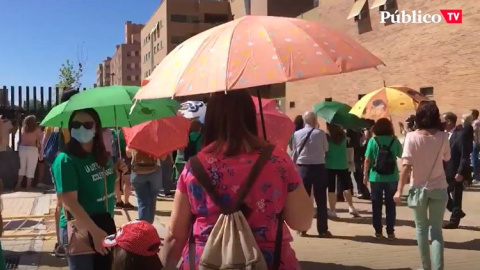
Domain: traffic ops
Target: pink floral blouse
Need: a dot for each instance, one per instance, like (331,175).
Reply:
(266,198)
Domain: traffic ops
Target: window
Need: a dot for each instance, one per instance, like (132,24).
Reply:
(161,44)
(178,18)
(363,20)
(216,18)
(391,6)
(137,77)
(427,91)
(328,99)
(360,96)
(193,19)
(154,49)
(292,104)
(177,39)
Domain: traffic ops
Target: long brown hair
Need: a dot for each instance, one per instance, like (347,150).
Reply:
(124,260)
(98,150)
(29,124)
(336,134)
(383,127)
(231,124)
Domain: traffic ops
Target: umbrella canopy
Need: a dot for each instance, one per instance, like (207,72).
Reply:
(158,137)
(253,51)
(114,106)
(193,110)
(387,101)
(278,126)
(337,113)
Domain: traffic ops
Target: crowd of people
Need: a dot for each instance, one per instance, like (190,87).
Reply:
(231,165)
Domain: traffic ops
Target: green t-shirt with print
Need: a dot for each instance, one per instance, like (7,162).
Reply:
(372,152)
(84,176)
(336,157)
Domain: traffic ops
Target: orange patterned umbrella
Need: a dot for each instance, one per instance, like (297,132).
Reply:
(254,51)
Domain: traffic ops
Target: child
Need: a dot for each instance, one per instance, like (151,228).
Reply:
(135,246)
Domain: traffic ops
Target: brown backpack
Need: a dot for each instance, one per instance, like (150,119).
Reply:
(143,163)
(231,243)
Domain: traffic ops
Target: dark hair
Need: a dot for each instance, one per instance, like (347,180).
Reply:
(450,117)
(195,126)
(231,124)
(98,150)
(475,113)
(298,121)
(67,94)
(124,260)
(428,115)
(30,124)
(382,127)
(336,133)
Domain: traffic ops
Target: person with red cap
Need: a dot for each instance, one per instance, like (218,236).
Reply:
(135,246)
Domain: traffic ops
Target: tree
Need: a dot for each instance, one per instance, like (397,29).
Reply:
(69,77)
(33,103)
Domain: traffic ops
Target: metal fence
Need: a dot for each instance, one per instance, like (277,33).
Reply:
(29,100)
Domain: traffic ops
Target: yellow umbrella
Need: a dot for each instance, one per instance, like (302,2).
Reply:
(386,101)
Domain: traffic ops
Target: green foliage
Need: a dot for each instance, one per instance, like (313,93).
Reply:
(70,76)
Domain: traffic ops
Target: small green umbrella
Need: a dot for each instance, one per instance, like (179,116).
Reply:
(339,114)
(114,106)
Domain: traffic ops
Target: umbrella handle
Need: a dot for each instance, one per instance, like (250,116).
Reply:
(261,113)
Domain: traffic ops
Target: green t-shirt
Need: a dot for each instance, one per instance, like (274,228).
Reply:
(85,176)
(372,152)
(336,157)
(195,136)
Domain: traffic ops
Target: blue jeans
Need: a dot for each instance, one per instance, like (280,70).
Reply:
(475,163)
(429,216)
(147,187)
(78,262)
(379,189)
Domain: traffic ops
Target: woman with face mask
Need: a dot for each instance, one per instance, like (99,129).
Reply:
(85,180)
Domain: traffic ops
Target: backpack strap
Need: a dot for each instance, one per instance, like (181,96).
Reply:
(204,179)
(391,143)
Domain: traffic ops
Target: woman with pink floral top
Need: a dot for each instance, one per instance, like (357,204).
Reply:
(231,148)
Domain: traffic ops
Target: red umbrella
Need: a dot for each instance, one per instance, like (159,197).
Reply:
(278,127)
(158,137)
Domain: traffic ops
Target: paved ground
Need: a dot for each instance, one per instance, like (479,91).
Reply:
(352,248)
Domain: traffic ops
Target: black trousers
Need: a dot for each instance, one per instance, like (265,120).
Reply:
(455,196)
(316,176)
(358,175)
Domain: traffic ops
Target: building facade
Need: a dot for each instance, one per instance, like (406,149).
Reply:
(283,8)
(104,73)
(440,60)
(175,21)
(125,64)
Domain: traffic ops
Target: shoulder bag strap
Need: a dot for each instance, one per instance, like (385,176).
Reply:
(300,150)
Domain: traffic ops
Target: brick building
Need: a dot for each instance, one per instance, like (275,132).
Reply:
(442,60)
(284,8)
(125,63)
(173,22)
(104,72)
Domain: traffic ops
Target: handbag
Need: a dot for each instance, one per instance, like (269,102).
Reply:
(80,241)
(416,196)
(295,154)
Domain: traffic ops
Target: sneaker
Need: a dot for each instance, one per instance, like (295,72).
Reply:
(379,235)
(302,234)
(326,234)
(353,212)
(475,182)
(391,237)
(59,251)
(128,206)
(119,204)
(332,214)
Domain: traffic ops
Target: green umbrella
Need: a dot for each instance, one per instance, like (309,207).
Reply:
(339,114)
(114,106)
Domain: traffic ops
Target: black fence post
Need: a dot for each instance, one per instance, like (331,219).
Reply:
(57,96)
(50,98)
(35,100)
(5,96)
(27,100)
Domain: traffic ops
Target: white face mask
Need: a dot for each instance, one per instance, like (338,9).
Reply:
(83,135)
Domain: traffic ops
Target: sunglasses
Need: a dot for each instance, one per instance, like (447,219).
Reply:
(86,125)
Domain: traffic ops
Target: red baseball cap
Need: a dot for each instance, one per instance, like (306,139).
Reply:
(138,237)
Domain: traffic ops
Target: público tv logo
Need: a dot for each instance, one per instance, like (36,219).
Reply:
(451,16)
